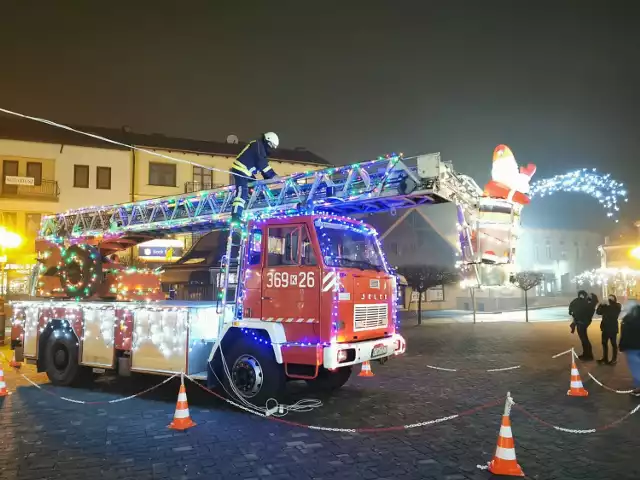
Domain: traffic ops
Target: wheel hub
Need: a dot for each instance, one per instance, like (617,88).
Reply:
(61,358)
(247,376)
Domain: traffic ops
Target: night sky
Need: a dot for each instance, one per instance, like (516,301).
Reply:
(557,81)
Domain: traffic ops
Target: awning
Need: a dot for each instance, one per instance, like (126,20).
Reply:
(402,281)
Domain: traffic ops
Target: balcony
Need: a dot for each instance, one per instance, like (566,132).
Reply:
(190,187)
(47,190)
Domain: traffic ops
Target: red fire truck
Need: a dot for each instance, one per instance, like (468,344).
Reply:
(301,291)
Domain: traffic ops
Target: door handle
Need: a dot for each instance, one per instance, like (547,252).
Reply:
(267,298)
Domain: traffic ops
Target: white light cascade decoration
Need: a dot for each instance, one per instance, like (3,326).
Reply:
(609,192)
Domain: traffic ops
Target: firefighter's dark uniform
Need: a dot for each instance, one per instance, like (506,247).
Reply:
(253,158)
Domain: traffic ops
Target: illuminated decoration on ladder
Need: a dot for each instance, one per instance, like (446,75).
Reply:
(603,188)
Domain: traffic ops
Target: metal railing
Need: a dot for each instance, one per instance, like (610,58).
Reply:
(47,189)
(190,187)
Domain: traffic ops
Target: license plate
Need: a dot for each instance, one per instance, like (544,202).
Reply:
(378,351)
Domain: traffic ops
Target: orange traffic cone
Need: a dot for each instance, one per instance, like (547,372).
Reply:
(575,388)
(3,386)
(504,460)
(13,363)
(365,371)
(182,419)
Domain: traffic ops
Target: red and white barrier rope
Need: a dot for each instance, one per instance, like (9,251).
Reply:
(489,370)
(608,388)
(83,402)
(347,430)
(574,430)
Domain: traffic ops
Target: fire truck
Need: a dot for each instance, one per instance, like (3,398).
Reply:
(302,290)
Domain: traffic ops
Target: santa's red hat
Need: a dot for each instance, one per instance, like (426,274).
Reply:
(502,151)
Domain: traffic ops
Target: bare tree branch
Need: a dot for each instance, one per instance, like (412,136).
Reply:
(527,280)
(422,277)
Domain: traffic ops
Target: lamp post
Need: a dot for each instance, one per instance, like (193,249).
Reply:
(8,240)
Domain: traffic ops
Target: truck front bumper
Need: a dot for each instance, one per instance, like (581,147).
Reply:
(345,354)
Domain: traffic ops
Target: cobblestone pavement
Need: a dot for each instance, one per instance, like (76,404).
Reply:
(44,437)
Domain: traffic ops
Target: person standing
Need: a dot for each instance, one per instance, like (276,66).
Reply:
(582,311)
(630,345)
(610,312)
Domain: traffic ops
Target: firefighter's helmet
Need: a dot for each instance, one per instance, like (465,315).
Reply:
(271,139)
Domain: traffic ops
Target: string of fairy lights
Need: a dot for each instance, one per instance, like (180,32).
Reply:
(607,191)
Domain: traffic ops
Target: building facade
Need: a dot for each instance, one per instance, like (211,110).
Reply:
(47,170)
(561,254)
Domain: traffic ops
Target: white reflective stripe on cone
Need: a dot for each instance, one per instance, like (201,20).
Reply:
(506,432)
(505,453)
(182,413)
(576,384)
(575,372)
(182,397)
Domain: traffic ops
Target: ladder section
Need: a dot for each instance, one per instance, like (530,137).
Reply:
(381,185)
(231,268)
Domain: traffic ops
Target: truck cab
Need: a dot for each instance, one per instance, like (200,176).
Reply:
(321,288)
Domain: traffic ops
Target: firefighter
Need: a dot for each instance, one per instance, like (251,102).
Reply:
(253,158)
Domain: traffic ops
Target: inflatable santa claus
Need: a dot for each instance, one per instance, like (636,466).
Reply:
(509,182)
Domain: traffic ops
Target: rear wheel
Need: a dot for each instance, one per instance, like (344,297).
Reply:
(61,359)
(254,373)
(328,380)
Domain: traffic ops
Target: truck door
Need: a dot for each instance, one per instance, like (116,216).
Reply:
(290,281)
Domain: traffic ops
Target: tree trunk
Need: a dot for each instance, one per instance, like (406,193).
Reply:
(526,306)
(472,292)
(419,308)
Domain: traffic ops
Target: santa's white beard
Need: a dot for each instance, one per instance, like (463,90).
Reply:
(505,171)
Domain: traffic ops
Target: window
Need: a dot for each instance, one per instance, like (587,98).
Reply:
(308,255)
(345,245)
(103,178)
(283,246)
(81,176)
(33,224)
(162,174)
(548,250)
(255,247)
(202,178)
(34,170)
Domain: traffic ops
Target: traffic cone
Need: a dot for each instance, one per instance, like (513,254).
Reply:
(365,371)
(182,419)
(575,388)
(13,363)
(3,386)
(504,460)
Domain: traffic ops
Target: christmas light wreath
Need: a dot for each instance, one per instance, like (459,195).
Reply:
(81,270)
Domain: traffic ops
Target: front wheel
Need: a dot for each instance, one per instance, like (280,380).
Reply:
(254,374)
(329,380)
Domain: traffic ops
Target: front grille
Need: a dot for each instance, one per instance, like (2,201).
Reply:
(370,316)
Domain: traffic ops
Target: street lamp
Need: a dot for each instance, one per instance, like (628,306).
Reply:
(8,240)
(635,253)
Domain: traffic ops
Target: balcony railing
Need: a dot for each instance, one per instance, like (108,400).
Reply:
(190,187)
(47,190)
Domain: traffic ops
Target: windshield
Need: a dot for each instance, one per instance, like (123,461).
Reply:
(345,245)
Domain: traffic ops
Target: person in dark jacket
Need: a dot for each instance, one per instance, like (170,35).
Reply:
(610,312)
(630,345)
(582,310)
(252,159)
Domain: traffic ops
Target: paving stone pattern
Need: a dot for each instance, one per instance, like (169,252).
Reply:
(42,437)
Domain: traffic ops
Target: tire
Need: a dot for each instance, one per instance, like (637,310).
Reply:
(328,381)
(61,359)
(254,372)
